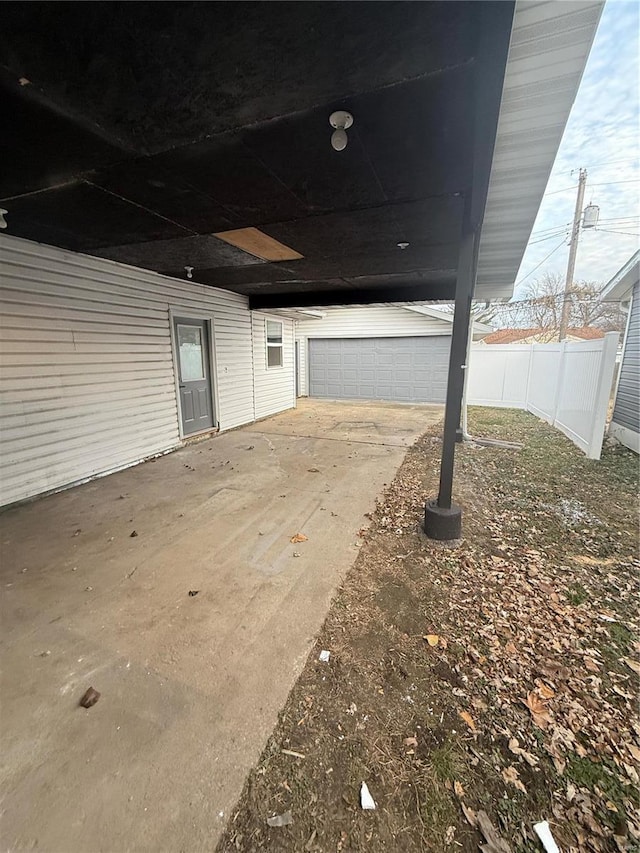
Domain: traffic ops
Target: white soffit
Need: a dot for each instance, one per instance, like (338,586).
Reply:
(623,281)
(550,44)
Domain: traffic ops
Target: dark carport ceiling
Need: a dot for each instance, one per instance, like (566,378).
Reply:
(136,131)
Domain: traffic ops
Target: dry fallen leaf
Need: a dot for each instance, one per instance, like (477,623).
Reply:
(633,664)
(538,708)
(510,775)
(494,844)
(299,537)
(516,749)
(545,691)
(470,815)
(635,752)
(555,671)
(432,639)
(466,716)
(458,789)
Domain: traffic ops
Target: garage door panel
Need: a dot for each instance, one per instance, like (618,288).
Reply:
(403,359)
(403,394)
(410,369)
(420,376)
(404,377)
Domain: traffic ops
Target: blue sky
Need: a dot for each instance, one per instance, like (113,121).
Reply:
(602,136)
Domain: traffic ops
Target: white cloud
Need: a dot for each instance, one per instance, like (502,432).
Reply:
(602,135)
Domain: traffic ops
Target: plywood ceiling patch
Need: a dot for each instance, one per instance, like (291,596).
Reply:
(257,243)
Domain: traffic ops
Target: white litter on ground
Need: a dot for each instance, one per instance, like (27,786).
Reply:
(324,656)
(366,800)
(283,819)
(543,832)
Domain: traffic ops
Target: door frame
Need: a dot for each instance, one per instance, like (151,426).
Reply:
(185,313)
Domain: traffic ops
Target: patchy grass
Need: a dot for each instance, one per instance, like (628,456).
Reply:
(577,594)
(498,675)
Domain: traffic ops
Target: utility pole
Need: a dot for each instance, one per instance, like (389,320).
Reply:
(573,251)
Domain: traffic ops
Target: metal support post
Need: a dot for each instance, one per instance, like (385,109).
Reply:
(443,520)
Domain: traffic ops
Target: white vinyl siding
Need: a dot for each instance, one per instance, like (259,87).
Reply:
(87,383)
(625,424)
(274,387)
(366,322)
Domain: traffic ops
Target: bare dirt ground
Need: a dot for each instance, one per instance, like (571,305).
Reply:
(480,689)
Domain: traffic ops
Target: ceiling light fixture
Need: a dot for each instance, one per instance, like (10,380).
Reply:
(341,121)
(3,221)
(189,272)
(403,245)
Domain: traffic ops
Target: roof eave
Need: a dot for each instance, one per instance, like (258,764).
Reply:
(550,45)
(623,281)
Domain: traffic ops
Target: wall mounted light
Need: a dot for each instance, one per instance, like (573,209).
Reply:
(341,121)
(189,272)
(3,221)
(403,245)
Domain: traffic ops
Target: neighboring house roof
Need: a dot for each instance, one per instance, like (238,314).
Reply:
(514,336)
(622,282)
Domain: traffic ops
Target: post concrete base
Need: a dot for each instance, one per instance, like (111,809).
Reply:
(442,524)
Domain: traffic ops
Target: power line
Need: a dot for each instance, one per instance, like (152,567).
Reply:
(600,184)
(611,183)
(575,298)
(550,228)
(548,237)
(614,162)
(625,233)
(544,260)
(547,231)
(620,220)
(563,190)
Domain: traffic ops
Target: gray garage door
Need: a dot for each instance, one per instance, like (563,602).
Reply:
(406,369)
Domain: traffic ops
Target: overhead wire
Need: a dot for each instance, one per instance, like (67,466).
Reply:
(614,162)
(611,183)
(563,190)
(620,219)
(599,184)
(549,237)
(624,233)
(547,231)
(544,260)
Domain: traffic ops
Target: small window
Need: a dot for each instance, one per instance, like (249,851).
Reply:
(191,353)
(274,343)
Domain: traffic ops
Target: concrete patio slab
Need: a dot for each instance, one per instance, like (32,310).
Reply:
(191,684)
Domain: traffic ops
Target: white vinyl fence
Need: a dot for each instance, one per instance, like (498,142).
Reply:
(568,384)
